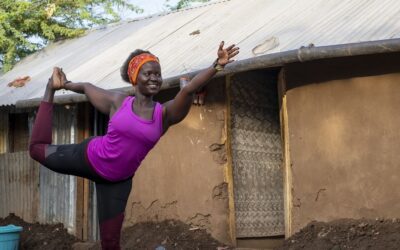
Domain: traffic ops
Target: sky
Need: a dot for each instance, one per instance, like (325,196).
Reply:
(151,7)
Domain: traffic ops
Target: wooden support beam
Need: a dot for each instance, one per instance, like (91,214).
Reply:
(287,169)
(228,168)
(86,208)
(82,202)
(79,208)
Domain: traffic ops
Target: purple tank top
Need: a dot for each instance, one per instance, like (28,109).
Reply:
(118,154)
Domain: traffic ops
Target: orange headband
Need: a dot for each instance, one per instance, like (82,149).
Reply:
(137,62)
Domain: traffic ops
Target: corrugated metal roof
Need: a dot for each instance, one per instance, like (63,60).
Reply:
(259,27)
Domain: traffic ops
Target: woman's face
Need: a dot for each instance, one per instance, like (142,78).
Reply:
(149,79)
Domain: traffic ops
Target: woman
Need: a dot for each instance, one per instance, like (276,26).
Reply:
(136,124)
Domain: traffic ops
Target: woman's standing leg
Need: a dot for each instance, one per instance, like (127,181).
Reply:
(111,204)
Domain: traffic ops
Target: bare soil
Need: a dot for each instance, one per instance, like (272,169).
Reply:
(170,234)
(38,236)
(347,234)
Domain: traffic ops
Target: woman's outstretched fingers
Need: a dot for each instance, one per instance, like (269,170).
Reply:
(230,47)
(233,53)
(233,49)
(221,45)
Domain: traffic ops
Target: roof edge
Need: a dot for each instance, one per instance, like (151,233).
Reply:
(302,54)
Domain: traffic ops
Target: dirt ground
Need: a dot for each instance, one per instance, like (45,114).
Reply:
(170,234)
(347,234)
(37,236)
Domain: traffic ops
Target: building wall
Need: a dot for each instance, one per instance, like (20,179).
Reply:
(19,189)
(28,189)
(182,178)
(19,174)
(343,139)
(58,192)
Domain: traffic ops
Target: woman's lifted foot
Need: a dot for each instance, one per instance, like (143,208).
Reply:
(63,77)
(56,82)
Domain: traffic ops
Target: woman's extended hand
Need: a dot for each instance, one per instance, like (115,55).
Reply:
(225,55)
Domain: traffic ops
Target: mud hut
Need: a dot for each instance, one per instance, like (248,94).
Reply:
(302,127)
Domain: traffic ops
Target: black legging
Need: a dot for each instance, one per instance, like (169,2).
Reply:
(71,159)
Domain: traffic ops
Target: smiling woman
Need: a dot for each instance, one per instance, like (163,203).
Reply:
(136,124)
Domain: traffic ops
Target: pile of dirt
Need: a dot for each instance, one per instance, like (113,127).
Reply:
(35,236)
(168,234)
(347,234)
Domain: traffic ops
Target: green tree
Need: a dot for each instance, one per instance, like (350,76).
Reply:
(183,4)
(28,25)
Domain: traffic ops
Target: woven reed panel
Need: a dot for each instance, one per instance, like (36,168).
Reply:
(256,155)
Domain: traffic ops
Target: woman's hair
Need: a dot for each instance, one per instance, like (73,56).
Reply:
(125,65)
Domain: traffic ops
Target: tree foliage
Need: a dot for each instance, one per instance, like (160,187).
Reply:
(184,4)
(28,25)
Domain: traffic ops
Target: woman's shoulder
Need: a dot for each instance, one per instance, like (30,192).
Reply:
(119,99)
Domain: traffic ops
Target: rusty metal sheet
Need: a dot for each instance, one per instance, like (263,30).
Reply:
(58,191)
(19,193)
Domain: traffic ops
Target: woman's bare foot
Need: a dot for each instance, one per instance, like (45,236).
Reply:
(56,82)
(63,77)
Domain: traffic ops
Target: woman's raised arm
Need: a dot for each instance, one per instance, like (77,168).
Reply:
(177,109)
(106,101)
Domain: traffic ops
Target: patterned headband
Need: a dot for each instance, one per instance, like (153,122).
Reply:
(137,62)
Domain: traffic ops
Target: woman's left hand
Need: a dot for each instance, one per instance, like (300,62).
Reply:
(225,55)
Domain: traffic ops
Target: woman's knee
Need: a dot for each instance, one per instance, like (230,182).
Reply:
(37,152)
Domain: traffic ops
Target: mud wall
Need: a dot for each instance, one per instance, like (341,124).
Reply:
(343,139)
(183,176)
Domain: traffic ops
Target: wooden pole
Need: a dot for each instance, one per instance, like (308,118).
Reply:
(229,169)
(82,202)
(286,153)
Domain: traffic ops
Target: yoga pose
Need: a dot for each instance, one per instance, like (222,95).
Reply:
(136,124)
